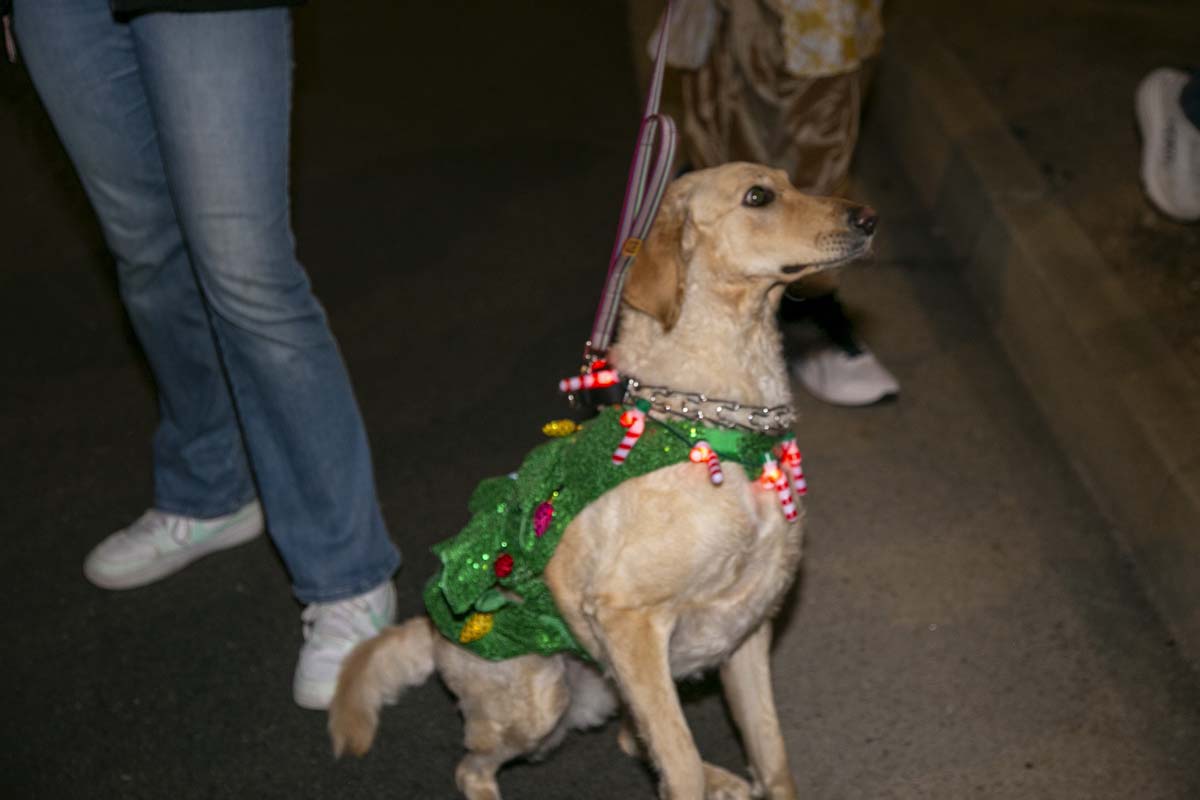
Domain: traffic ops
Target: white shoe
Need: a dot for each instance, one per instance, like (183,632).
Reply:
(330,632)
(159,544)
(837,377)
(1170,146)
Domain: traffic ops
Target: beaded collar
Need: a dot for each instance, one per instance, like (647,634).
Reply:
(711,411)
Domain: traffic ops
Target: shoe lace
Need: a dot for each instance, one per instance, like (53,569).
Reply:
(345,621)
(150,523)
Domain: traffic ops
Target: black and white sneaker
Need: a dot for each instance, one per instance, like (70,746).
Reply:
(837,368)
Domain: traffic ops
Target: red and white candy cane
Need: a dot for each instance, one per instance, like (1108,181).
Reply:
(773,476)
(702,452)
(634,422)
(790,456)
(589,380)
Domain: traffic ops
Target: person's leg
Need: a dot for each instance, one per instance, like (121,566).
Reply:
(820,118)
(86,72)
(219,89)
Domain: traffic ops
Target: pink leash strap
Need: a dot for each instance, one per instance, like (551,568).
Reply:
(643,193)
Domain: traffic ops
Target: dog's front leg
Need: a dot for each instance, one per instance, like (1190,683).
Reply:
(746,677)
(635,644)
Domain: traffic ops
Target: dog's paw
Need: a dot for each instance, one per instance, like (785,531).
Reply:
(782,788)
(721,784)
(476,783)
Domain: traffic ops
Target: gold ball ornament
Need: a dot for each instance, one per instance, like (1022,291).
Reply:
(476,627)
(556,428)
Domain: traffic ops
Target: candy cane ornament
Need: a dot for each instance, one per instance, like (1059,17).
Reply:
(634,422)
(773,477)
(702,452)
(790,455)
(589,380)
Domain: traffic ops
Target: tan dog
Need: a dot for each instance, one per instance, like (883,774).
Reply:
(664,575)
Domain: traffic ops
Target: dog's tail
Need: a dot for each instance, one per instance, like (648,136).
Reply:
(373,675)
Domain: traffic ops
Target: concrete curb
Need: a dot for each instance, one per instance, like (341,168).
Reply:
(1120,403)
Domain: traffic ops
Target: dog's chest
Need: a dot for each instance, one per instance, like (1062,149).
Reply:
(752,584)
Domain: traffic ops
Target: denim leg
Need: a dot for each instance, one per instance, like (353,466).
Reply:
(219,88)
(1189,99)
(86,72)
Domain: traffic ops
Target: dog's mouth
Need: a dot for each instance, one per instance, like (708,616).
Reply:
(816,266)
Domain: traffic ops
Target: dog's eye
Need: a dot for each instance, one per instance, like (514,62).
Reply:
(757,197)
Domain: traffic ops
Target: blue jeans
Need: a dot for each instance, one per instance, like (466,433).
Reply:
(178,125)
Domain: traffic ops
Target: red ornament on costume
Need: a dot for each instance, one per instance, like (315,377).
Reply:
(790,456)
(774,478)
(634,421)
(702,453)
(542,515)
(597,379)
(503,565)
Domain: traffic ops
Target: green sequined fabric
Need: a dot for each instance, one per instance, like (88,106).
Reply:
(509,511)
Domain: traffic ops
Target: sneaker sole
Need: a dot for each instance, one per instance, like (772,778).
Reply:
(237,533)
(313,696)
(1149,118)
(813,385)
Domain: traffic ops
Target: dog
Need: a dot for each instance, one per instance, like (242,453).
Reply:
(667,573)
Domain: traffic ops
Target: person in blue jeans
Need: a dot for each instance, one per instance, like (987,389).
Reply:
(178,124)
(1168,112)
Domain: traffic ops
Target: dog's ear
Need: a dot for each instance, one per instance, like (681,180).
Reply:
(659,273)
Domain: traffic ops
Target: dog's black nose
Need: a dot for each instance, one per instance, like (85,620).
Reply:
(863,218)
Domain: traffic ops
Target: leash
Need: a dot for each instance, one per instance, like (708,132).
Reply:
(643,193)
(649,174)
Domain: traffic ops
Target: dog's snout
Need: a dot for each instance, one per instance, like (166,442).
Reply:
(864,219)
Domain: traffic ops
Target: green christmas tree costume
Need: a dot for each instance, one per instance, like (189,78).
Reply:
(490,595)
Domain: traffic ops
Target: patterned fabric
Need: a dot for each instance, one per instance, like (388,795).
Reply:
(490,595)
(783,85)
(829,37)
(817,38)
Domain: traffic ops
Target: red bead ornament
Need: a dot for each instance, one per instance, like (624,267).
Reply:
(542,515)
(503,565)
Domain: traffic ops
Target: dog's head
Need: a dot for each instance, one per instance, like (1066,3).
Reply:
(740,225)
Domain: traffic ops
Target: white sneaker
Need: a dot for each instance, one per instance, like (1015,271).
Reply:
(159,544)
(835,376)
(1170,146)
(330,632)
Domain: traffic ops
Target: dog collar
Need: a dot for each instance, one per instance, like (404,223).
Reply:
(711,411)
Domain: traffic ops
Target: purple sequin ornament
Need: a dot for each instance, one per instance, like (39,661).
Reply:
(542,516)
